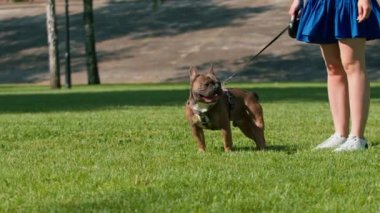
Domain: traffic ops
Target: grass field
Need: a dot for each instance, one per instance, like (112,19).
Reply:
(128,148)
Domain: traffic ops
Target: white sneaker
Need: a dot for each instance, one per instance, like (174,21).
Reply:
(333,141)
(353,143)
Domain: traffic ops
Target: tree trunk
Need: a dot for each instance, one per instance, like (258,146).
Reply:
(91,59)
(55,82)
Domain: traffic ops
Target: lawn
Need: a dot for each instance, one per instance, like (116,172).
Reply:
(128,148)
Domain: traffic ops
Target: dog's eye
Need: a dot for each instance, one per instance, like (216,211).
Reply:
(207,84)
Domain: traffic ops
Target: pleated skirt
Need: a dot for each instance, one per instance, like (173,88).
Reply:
(327,21)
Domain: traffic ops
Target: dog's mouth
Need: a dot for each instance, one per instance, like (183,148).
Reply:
(209,98)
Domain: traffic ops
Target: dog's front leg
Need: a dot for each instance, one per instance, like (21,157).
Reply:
(227,136)
(200,137)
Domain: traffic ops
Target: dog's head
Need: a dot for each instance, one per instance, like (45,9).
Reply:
(205,88)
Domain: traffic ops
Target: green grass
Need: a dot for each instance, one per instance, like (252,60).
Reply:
(128,148)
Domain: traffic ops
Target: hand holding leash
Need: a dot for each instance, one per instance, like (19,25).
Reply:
(295,13)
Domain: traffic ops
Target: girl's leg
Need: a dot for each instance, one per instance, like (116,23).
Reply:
(352,53)
(337,88)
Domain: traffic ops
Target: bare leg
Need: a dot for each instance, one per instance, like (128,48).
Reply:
(352,53)
(337,87)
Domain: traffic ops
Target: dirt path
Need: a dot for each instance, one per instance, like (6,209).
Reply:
(137,44)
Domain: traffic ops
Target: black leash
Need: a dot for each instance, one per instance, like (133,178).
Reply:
(253,57)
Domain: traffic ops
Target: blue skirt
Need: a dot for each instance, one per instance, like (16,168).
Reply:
(327,21)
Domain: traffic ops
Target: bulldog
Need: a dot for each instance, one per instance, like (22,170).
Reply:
(212,107)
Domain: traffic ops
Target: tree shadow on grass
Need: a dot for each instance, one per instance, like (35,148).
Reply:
(374,144)
(131,199)
(273,148)
(98,100)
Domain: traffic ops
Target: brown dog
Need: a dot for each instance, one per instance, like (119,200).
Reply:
(212,107)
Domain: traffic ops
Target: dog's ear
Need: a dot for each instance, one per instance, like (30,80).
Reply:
(193,72)
(211,70)
(211,73)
